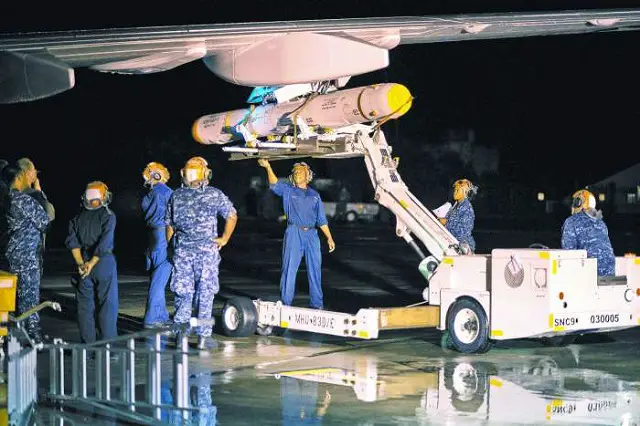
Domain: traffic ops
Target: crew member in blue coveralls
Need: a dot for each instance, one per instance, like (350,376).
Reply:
(26,221)
(460,219)
(154,209)
(91,241)
(305,213)
(192,228)
(586,230)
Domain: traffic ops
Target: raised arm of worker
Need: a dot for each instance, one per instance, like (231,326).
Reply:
(271,177)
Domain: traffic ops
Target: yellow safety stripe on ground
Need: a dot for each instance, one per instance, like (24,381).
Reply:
(311,371)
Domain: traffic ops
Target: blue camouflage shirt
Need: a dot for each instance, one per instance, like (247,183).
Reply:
(154,205)
(26,220)
(303,207)
(460,220)
(193,214)
(587,231)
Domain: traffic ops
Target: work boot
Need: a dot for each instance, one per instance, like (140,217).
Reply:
(207,343)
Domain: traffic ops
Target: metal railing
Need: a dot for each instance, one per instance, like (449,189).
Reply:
(126,402)
(21,368)
(22,389)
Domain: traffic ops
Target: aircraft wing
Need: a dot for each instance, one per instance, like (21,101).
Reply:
(37,65)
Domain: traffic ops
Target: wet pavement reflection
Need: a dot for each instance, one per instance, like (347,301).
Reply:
(404,378)
(409,380)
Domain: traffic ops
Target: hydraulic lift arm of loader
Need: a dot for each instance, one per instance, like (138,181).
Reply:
(413,218)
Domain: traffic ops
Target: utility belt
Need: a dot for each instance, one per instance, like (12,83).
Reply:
(304,228)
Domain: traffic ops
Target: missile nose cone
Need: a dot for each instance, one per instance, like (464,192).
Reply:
(399,100)
(195,134)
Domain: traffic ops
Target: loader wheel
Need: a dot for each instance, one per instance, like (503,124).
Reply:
(557,341)
(469,327)
(445,340)
(239,317)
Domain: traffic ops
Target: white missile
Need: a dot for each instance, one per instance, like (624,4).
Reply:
(330,111)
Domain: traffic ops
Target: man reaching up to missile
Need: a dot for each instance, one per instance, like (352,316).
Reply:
(305,214)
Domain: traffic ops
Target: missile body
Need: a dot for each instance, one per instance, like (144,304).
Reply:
(333,110)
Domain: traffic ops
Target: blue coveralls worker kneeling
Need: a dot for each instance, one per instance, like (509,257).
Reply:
(305,213)
(192,228)
(460,219)
(154,209)
(585,230)
(91,240)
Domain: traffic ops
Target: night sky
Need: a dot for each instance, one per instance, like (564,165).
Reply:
(563,111)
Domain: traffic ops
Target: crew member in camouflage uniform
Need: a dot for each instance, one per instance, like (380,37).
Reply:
(27,166)
(586,230)
(192,228)
(154,208)
(460,219)
(4,209)
(91,241)
(26,220)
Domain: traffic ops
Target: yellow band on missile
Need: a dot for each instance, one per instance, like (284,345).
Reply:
(399,100)
(195,134)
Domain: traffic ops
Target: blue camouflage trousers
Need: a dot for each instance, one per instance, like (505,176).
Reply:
(200,396)
(194,283)
(28,296)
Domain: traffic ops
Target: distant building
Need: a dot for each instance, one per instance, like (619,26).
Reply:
(621,191)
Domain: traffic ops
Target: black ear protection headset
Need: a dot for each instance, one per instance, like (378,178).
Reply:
(577,202)
(208,172)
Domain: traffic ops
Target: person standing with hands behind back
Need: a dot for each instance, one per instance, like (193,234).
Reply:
(91,240)
(305,213)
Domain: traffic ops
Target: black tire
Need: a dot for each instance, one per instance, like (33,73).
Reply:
(239,317)
(445,340)
(480,343)
(558,341)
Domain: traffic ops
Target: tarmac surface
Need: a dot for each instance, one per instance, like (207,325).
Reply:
(404,377)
